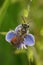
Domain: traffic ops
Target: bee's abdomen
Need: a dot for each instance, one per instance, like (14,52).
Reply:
(16,41)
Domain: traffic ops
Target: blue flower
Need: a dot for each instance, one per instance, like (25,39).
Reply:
(29,39)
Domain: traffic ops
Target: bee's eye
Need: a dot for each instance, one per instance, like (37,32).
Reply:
(28,26)
(24,25)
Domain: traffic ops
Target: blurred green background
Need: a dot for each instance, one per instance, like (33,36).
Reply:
(10,17)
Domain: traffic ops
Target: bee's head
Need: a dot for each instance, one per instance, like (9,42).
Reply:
(25,28)
(25,25)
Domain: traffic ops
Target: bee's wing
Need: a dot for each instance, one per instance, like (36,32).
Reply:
(18,28)
(29,40)
(10,35)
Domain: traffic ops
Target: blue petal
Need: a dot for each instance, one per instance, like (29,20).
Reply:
(10,35)
(29,40)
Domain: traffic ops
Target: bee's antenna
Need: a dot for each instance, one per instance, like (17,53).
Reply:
(23,19)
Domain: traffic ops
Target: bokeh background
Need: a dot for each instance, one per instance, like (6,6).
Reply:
(10,16)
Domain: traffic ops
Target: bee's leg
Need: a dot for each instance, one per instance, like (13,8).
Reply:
(24,46)
(27,31)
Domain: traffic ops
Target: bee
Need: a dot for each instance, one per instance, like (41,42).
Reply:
(19,37)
